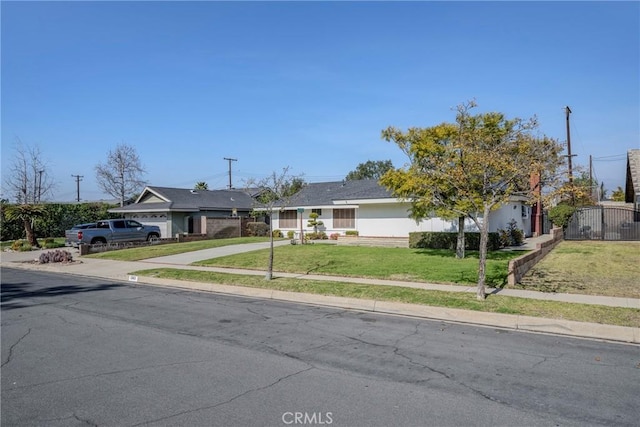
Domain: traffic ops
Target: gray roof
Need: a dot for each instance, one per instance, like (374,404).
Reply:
(633,175)
(325,193)
(187,200)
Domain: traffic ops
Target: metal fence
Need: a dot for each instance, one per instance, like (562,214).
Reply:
(604,223)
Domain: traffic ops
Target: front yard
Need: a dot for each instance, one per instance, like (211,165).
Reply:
(588,267)
(416,265)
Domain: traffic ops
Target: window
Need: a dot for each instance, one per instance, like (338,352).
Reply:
(344,218)
(288,219)
(317,211)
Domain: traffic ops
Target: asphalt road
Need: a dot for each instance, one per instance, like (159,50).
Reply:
(80,351)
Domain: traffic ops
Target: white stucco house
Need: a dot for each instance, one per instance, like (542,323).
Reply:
(371,210)
(363,205)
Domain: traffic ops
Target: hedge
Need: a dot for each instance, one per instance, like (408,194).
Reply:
(445,240)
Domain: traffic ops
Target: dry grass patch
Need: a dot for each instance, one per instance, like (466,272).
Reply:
(588,267)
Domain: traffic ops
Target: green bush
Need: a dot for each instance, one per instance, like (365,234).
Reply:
(21,246)
(512,236)
(445,240)
(320,235)
(290,234)
(351,233)
(560,215)
(277,234)
(50,243)
(258,229)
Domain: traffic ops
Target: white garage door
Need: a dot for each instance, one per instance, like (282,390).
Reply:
(159,220)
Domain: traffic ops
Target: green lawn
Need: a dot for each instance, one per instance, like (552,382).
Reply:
(466,301)
(418,265)
(144,252)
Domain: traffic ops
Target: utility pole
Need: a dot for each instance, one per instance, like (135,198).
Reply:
(78,179)
(230,160)
(39,184)
(568,111)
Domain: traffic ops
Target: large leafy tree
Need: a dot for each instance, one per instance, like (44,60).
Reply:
(429,193)
(121,175)
(472,167)
(370,170)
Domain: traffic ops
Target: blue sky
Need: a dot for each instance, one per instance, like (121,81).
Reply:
(308,85)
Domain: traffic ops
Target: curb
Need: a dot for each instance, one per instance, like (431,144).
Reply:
(622,334)
(570,328)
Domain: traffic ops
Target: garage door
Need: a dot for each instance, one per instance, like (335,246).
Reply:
(159,220)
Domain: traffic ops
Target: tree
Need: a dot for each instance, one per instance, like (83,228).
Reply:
(26,213)
(201,186)
(618,195)
(435,194)
(314,222)
(122,174)
(476,170)
(370,170)
(277,191)
(28,179)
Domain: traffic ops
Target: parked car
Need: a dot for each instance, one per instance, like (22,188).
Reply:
(110,231)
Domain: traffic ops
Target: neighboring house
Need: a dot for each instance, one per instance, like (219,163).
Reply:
(184,211)
(632,186)
(369,208)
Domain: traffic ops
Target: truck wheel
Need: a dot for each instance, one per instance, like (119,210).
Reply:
(152,236)
(98,241)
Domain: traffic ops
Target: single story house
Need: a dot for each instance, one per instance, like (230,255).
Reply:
(371,210)
(185,211)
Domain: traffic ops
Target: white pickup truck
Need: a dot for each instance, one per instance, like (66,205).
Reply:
(110,231)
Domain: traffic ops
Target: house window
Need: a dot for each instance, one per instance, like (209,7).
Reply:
(344,218)
(317,211)
(288,219)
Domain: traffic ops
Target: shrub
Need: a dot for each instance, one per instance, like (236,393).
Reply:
(320,235)
(21,246)
(55,256)
(445,240)
(512,236)
(277,233)
(351,233)
(290,234)
(560,215)
(334,236)
(259,229)
(50,243)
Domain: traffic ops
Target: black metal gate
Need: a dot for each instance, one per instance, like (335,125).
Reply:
(604,223)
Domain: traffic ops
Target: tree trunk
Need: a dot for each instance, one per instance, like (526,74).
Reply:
(31,236)
(484,239)
(460,242)
(269,274)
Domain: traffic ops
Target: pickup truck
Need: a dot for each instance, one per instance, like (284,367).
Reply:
(111,231)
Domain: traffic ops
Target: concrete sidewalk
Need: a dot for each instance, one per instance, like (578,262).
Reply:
(121,271)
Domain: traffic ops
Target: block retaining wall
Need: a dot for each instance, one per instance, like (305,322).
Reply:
(518,267)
